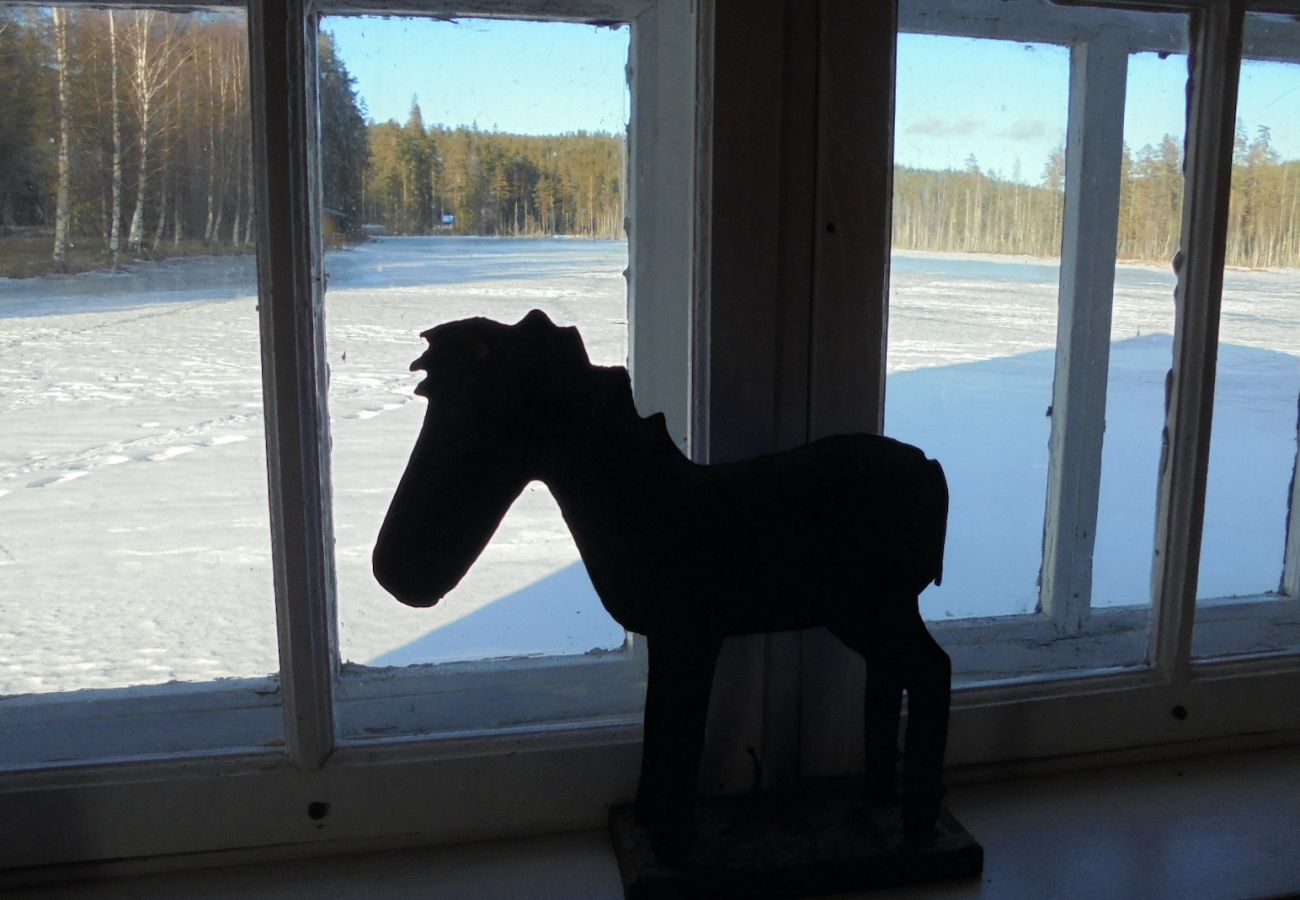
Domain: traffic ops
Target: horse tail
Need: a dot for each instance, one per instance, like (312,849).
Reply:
(937,498)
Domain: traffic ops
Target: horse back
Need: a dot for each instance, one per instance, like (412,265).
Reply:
(881,498)
(828,523)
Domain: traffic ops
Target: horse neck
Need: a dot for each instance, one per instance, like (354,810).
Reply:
(631,461)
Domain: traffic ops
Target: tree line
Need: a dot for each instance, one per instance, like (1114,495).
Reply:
(129,131)
(126,126)
(467,181)
(975,211)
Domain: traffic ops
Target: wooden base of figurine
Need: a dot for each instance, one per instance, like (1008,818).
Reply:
(818,841)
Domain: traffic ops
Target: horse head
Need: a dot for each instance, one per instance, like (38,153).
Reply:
(502,399)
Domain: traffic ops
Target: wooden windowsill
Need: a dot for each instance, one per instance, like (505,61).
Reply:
(1217,826)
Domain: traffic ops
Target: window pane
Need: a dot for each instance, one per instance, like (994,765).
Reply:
(1142,327)
(973,304)
(134,536)
(497,190)
(1253,444)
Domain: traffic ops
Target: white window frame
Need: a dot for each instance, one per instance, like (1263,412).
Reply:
(1067,633)
(785,342)
(1071,680)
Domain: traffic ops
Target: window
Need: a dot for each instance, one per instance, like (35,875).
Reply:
(136,539)
(1080,573)
(468,220)
(1107,629)
(524,212)
(316,711)
(1055,539)
(757,319)
(972,313)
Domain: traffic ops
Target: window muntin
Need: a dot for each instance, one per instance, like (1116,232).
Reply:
(133,510)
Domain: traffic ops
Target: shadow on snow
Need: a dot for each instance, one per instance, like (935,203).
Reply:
(988,423)
(556,615)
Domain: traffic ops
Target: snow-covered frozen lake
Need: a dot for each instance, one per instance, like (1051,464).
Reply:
(133,528)
(971,364)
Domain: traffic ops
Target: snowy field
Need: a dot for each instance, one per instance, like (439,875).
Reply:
(971,363)
(133,527)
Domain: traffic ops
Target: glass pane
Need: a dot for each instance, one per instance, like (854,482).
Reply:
(1142,327)
(497,190)
(973,302)
(134,536)
(1253,444)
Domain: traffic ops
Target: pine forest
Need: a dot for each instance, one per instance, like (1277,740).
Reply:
(127,135)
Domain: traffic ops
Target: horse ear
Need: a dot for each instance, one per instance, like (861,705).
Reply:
(535,319)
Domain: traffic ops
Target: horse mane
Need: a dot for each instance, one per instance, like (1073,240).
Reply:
(546,353)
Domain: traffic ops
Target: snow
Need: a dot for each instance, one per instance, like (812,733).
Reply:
(971,363)
(528,594)
(133,527)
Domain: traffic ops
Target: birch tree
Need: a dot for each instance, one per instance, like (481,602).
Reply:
(115,113)
(60,18)
(154,62)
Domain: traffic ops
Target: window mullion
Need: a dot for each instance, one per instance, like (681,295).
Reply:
(855,158)
(848,319)
(1094,150)
(282,47)
(751,367)
(1214,66)
(661,238)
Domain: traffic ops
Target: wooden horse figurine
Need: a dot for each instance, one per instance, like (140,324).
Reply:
(844,533)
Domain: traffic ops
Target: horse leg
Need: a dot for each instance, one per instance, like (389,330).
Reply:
(881,708)
(677,707)
(928,680)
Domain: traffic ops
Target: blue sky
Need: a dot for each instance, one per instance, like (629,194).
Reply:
(521,77)
(1007,108)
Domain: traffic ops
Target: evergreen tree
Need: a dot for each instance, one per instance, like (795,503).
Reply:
(345,144)
(26,168)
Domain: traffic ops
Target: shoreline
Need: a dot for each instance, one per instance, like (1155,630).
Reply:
(135,266)
(1025,259)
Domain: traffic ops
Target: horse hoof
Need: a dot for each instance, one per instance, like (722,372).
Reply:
(919,815)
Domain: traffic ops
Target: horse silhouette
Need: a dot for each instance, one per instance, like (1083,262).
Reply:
(844,533)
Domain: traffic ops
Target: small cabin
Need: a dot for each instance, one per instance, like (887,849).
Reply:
(333,227)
